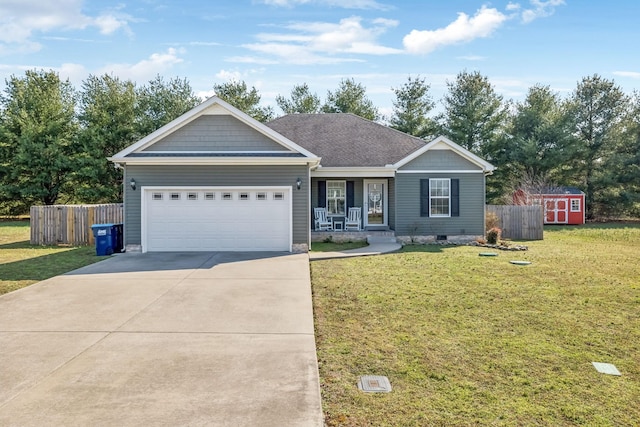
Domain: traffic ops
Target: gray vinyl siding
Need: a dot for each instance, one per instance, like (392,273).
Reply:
(216,176)
(472,201)
(440,160)
(216,133)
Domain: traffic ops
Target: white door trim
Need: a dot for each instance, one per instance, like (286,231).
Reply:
(365,202)
(555,210)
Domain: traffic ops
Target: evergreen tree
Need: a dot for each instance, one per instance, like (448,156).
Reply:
(474,115)
(350,97)
(301,101)
(598,108)
(539,145)
(411,108)
(625,163)
(247,100)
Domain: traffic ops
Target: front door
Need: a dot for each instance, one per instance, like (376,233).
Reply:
(375,203)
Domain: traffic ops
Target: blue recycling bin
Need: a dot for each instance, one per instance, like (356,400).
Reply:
(103,234)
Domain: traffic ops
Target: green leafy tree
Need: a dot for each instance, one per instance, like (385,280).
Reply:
(244,99)
(161,101)
(475,115)
(350,97)
(411,108)
(598,108)
(301,101)
(39,133)
(108,124)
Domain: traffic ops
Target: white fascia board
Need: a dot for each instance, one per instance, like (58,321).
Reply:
(486,166)
(200,110)
(441,171)
(336,172)
(138,161)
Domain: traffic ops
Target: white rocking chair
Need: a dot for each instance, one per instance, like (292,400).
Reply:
(322,223)
(352,223)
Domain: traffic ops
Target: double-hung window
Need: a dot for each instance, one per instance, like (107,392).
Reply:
(439,197)
(336,197)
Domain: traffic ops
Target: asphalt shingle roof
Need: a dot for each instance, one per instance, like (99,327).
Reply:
(346,140)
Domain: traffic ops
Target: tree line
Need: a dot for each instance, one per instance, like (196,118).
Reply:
(54,139)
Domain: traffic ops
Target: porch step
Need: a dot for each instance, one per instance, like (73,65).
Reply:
(381,239)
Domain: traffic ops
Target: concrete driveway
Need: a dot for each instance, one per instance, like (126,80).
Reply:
(222,339)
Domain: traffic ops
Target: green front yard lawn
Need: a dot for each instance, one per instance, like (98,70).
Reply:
(470,340)
(22,264)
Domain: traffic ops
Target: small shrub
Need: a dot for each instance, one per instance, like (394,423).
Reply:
(493,235)
(328,239)
(491,221)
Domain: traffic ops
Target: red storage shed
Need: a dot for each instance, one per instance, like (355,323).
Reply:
(565,205)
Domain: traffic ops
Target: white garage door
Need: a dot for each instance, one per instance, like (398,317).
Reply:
(216,219)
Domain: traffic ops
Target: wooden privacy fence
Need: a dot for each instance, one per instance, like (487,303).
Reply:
(70,224)
(519,222)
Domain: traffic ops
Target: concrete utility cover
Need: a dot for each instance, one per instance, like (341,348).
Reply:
(606,368)
(374,384)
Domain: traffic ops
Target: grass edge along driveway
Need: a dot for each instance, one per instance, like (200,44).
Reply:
(22,264)
(470,340)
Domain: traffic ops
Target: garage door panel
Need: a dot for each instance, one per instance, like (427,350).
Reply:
(257,221)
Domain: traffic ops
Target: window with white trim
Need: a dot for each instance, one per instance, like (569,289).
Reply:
(175,196)
(278,195)
(439,197)
(244,196)
(336,197)
(192,196)
(157,196)
(227,196)
(209,196)
(261,196)
(575,205)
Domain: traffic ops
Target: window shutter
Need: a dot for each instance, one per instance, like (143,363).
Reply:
(424,197)
(350,195)
(455,197)
(322,194)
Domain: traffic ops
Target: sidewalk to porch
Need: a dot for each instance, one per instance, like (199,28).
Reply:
(378,244)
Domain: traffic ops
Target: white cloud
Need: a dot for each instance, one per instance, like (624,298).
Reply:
(464,29)
(19,20)
(540,9)
(513,6)
(346,4)
(323,42)
(630,74)
(146,69)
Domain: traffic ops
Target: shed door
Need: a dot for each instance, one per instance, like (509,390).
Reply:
(556,210)
(216,219)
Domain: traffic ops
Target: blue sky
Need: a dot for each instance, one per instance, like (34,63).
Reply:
(275,44)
